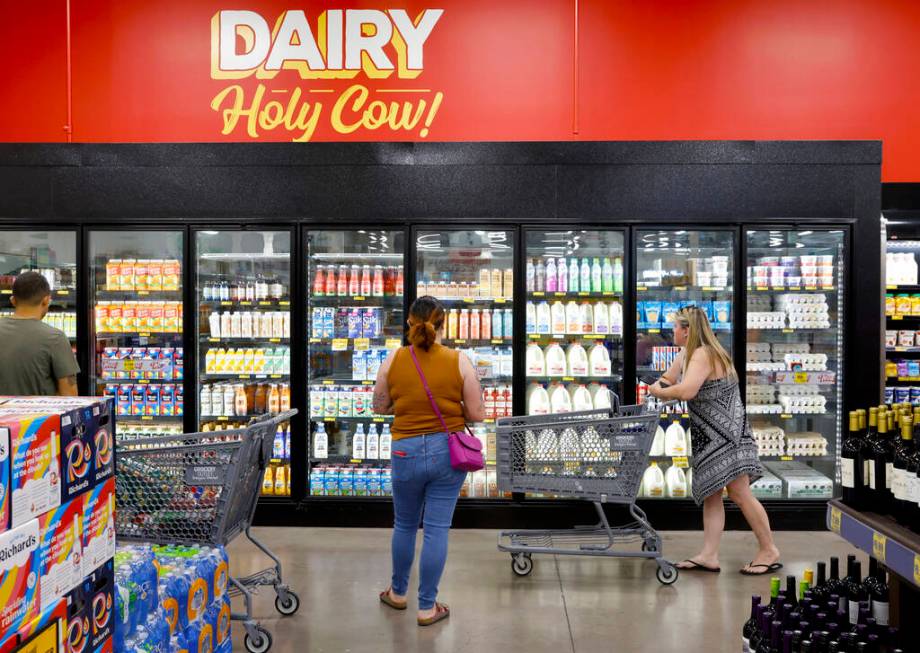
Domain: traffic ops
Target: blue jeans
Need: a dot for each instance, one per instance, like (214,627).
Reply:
(422,480)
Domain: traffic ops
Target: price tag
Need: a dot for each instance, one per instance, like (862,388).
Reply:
(284,303)
(835,520)
(654,330)
(129,365)
(608,293)
(497,341)
(393,343)
(538,293)
(811,287)
(245,303)
(762,289)
(457,340)
(533,336)
(225,303)
(339,344)
(264,303)
(362,344)
(489,420)
(641,287)
(223,418)
(277,376)
(328,419)
(879,547)
(328,382)
(6,291)
(142,381)
(891,287)
(680,287)
(801,377)
(900,348)
(367,382)
(680,461)
(377,419)
(917,569)
(583,293)
(314,341)
(468,300)
(708,289)
(785,416)
(897,317)
(274,339)
(143,293)
(594,336)
(213,339)
(500,300)
(144,335)
(147,418)
(568,378)
(786,458)
(60,292)
(356,461)
(359,298)
(244,376)
(788,330)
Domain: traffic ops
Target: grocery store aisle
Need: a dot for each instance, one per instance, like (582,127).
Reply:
(566,604)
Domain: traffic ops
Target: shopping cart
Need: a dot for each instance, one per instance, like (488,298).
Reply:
(202,488)
(597,455)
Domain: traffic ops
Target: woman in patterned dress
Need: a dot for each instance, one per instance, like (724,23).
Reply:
(724,452)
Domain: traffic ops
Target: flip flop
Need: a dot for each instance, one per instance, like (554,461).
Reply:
(766,569)
(386,599)
(441,612)
(696,566)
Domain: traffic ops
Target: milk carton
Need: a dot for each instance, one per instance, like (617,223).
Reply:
(60,551)
(35,464)
(19,578)
(98,526)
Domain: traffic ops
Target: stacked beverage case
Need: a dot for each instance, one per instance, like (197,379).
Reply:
(57,526)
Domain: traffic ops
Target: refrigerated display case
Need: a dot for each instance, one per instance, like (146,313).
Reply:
(902,319)
(794,395)
(574,319)
(138,358)
(53,253)
(472,272)
(677,268)
(243,336)
(355,317)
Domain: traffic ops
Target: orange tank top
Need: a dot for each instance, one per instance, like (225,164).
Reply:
(413,412)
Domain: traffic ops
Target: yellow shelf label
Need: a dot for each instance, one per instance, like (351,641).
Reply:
(285,303)
(145,334)
(680,461)
(891,287)
(897,317)
(225,303)
(245,303)
(654,330)
(356,461)
(785,416)
(500,300)
(339,344)
(533,335)
(274,339)
(568,378)
(460,341)
(801,377)
(608,293)
(680,287)
(468,300)
(787,458)
(377,419)
(583,293)
(489,420)
(762,289)
(393,343)
(359,298)
(708,289)
(223,418)
(788,330)
(835,521)
(879,546)
(367,382)
(917,569)
(277,376)
(244,376)
(328,419)
(264,303)
(497,341)
(641,287)
(538,293)
(595,336)
(314,341)
(213,339)
(143,293)
(362,344)
(6,291)
(328,382)
(811,287)
(60,292)
(147,418)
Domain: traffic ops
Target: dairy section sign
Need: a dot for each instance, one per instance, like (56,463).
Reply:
(354,69)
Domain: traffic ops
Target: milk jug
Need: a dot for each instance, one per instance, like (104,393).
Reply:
(653,481)
(587,318)
(548,445)
(536,364)
(600,396)
(320,442)
(601,318)
(616,318)
(599,361)
(581,398)
(558,318)
(559,399)
(544,318)
(537,400)
(676,482)
(359,450)
(530,325)
(675,440)
(658,442)
(555,360)
(572,318)
(576,360)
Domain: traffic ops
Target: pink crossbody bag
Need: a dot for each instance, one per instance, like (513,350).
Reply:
(465,448)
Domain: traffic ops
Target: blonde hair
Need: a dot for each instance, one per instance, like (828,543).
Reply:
(701,335)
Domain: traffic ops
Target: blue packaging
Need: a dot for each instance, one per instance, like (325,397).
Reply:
(915,395)
(889,394)
(640,315)
(901,394)
(331,482)
(199,637)
(77,634)
(316,323)
(913,368)
(507,327)
(328,322)
(386,482)
(346,482)
(371,323)
(359,365)
(174,589)
(355,328)
(497,324)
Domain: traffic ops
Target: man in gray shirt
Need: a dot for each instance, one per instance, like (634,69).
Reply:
(35,359)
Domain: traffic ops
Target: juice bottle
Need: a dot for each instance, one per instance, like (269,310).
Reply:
(464,327)
(474,324)
(562,274)
(618,275)
(274,400)
(377,285)
(261,396)
(574,275)
(127,274)
(531,276)
(539,282)
(485,326)
(551,276)
(140,275)
(597,276)
(319,281)
(366,281)
(113,274)
(607,275)
(285,401)
(399,281)
(452,326)
(354,280)
(240,402)
(508,284)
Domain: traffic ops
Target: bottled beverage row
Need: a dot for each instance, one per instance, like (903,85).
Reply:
(365,444)
(476,324)
(902,305)
(226,325)
(66,322)
(791,271)
(698,271)
(136,363)
(358,281)
(574,318)
(351,481)
(137,430)
(824,614)
(574,361)
(597,275)
(277,480)
(243,400)
(259,360)
(653,314)
(239,288)
(63,278)
(138,317)
(493,283)
(900,269)
(557,398)
(880,462)
(142,274)
(333,402)
(146,400)
(346,322)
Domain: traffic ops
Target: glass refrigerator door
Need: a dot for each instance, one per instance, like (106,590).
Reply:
(136,287)
(243,330)
(574,355)
(794,355)
(675,269)
(471,272)
(54,255)
(902,320)
(354,319)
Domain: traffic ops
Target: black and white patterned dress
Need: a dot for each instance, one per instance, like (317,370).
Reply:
(723,446)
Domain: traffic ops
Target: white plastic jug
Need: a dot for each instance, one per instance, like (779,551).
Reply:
(587,318)
(576,360)
(544,318)
(599,361)
(536,363)
(572,318)
(601,318)
(559,399)
(537,400)
(581,398)
(658,442)
(600,396)
(616,318)
(653,481)
(558,318)
(555,360)
(675,440)
(676,482)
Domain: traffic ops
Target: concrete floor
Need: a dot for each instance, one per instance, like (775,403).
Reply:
(566,604)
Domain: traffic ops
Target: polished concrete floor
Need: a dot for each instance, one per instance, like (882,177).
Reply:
(566,604)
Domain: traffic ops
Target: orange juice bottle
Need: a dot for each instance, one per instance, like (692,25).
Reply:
(127,274)
(156,317)
(240,402)
(114,323)
(268,483)
(285,401)
(452,323)
(496,282)
(102,317)
(129,317)
(274,399)
(140,274)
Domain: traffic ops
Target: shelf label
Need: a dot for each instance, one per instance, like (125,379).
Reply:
(377,419)
(879,543)
(538,293)
(641,287)
(654,330)
(497,341)
(909,378)
(245,303)
(891,287)
(226,303)
(762,289)
(213,339)
(801,377)
(274,339)
(533,336)
(900,348)
(6,291)
(594,336)
(358,298)
(356,461)
(60,292)
(708,288)
(827,287)
(500,300)
(145,334)
(680,287)
(328,382)
(680,461)
(568,378)
(223,418)
(339,344)
(328,419)
(457,340)
(393,343)
(896,317)
(489,420)
(367,382)
(608,293)
(284,303)
(786,458)
(143,293)
(244,376)
(835,520)
(147,418)
(917,569)
(583,293)
(785,416)
(277,376)
(362,344)
(263,303)
(811,287)
(788,330)
(314,341)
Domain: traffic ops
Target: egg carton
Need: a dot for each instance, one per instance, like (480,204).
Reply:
(813,404)
(766,432)
(758,347)
(764,409)
(759,357)
(807,443)
(788,299)
(759,303)
(765,366)
(760,394)
(766,320)
(809,324)
(781,349)
(810,360)
(770,450)
(799,390)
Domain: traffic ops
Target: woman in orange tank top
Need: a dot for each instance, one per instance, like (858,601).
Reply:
(425,486)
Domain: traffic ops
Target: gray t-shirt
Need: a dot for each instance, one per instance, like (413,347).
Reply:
(33,356)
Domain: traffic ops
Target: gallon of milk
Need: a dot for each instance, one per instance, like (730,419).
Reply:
(536,363)
(537,400)
(547,445)
(587,318)
(676,482)
(555,360)
(559,399)
(581,398)
(653,481)
(616,318)
(544,318)
(658,442)
(572,318)
(558,318)
(601,318)
(576,360)
(600,396)
(599,361)
(675,440)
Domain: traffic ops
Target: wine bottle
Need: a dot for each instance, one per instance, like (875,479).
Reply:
(902,452)
(819,590)
(877,449)
(867,496)
(787,641)
(878,593)
(791,590)
(774,590)
(833,584)
(750,626)
(851,473)
(912,481)
(844,584)
(855,591)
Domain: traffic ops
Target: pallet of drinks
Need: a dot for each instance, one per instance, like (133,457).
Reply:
(172,598)
(57,523)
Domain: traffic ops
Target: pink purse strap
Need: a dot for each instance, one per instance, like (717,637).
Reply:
(421,374)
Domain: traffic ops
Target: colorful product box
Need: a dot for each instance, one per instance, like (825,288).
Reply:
(99,588)
(43,635)
(105,647)
(98,526)
(60,549)
(35,464)
(77,633)
(5,472)
(19,579)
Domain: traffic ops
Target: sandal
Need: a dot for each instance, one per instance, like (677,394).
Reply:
(441,612)
(776,566)
(693,565)
(387,599)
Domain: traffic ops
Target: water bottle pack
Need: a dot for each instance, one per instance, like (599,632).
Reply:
(172,598)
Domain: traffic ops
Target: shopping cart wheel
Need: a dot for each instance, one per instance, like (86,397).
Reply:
(287,603)
(521,564)
(667,574)
(650,545)
(260,643)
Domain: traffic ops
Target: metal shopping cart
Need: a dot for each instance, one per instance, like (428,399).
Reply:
(597,455)
(202,488)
